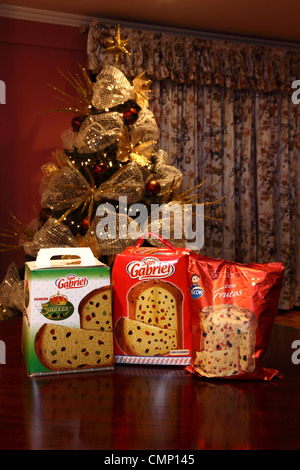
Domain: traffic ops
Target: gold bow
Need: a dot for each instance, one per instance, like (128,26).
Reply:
(134,150)
(68,190)
(112,89)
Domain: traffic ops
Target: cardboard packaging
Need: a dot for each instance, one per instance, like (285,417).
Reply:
(151,305)
(67,321)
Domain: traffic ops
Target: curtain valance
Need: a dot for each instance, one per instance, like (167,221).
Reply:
(206,62)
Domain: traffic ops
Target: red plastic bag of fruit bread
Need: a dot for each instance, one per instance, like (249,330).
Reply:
(151,305)
(233,310)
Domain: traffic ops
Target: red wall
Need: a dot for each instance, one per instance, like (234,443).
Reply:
(30,54)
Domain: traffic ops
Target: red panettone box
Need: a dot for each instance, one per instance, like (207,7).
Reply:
(151,305)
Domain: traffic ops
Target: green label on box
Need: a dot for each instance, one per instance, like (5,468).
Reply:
(57,308)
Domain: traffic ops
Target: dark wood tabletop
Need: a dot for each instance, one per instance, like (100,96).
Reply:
(148,408)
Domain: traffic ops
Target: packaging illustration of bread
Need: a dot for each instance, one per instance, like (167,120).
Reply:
(95,310)
(233,308)
(59,347)
(67,322)
(151,311)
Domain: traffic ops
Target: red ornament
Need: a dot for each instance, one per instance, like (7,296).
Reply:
(76,122)
(152,187)
(130,116)
(84,223)
(99,171)
(44,215)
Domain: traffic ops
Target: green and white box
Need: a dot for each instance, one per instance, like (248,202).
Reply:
(67,321)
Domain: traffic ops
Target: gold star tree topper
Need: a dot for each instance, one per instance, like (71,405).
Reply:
(117,46)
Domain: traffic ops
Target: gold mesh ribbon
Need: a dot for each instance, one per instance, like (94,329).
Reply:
(50,235)
(69,139)
(169,178)
(145,128)
(49,168)
(128,181)
(11,294)
(67,187)
(98,131)
(162,157)
(112,89)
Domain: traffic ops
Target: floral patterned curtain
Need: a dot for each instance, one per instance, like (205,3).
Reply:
(226,117)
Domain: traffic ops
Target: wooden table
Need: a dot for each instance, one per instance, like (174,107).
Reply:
(148,408)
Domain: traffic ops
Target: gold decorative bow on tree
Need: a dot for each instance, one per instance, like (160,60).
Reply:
(68,190)
(112,89)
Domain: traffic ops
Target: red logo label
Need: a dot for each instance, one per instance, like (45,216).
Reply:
(71,281)
(149,268)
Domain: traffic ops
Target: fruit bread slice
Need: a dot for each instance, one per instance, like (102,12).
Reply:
(217,364)
(137,339)
(95,310)
(60,348)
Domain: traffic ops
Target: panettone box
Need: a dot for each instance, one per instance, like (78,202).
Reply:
(151,306)
(67,320)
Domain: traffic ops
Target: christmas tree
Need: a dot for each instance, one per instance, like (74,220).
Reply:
(110,154)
